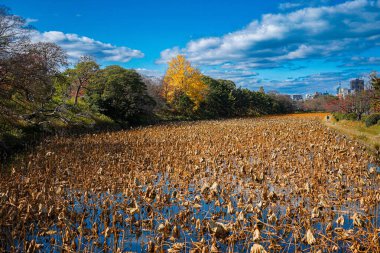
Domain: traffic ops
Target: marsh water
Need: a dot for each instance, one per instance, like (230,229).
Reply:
(132,233)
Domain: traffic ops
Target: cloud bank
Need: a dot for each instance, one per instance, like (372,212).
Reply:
(334,33)
(317,32)
(76,46)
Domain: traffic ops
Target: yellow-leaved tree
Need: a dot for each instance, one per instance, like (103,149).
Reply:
(182,78)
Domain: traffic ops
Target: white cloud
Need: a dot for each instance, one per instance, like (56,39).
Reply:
(202,44)
(77,46)
(150,72)
(327,81)
(28,21)
(168,54)
(288,5)
(236,75)
(303,3)
(361,61)
(313,32)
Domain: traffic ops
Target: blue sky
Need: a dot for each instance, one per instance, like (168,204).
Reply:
(289,46)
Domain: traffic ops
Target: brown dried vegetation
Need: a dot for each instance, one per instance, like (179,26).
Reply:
(273,184)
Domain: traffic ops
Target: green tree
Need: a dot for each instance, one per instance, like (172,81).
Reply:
(261,103)
(219,100)
(282,104)
(121,94)
(81,75)
(242,100)
(182,103)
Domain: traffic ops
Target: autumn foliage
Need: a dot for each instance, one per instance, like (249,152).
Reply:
(183,79)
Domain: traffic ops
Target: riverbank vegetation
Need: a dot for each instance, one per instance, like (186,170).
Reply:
(356,114)
(358,130)
(41,93)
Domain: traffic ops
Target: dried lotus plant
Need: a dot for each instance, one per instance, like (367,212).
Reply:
(271,184)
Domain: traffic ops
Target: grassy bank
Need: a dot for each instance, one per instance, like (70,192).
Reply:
(370,136)
(18,134)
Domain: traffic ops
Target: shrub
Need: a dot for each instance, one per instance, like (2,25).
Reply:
(183,104)
(121,95)
(364,118)
(350,116)
(336,116)
(372,119)
(344,116)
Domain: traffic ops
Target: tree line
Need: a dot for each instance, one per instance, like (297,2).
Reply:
(130,98)
(39,89)
(188,92)
(358,105)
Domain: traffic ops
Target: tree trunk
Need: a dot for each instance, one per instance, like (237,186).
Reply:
(77,94)
(358,116)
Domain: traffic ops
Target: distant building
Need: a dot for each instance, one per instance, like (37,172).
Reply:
(343,92)
(309,96)
(357,85)
(297,97)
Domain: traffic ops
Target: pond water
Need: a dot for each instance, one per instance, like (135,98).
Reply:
(106,219)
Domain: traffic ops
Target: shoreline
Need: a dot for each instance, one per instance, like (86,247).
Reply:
(356,130)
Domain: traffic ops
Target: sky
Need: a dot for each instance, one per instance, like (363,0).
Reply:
(293,47)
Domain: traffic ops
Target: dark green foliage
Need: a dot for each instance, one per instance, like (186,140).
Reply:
(225,100)
(262,103)
(183,104)
(120,94)
(282,104)
(241,101)
(372,119)
(364,117)
(344,116)
(219,100)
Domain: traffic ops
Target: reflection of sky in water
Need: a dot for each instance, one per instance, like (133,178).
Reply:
(135,238)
